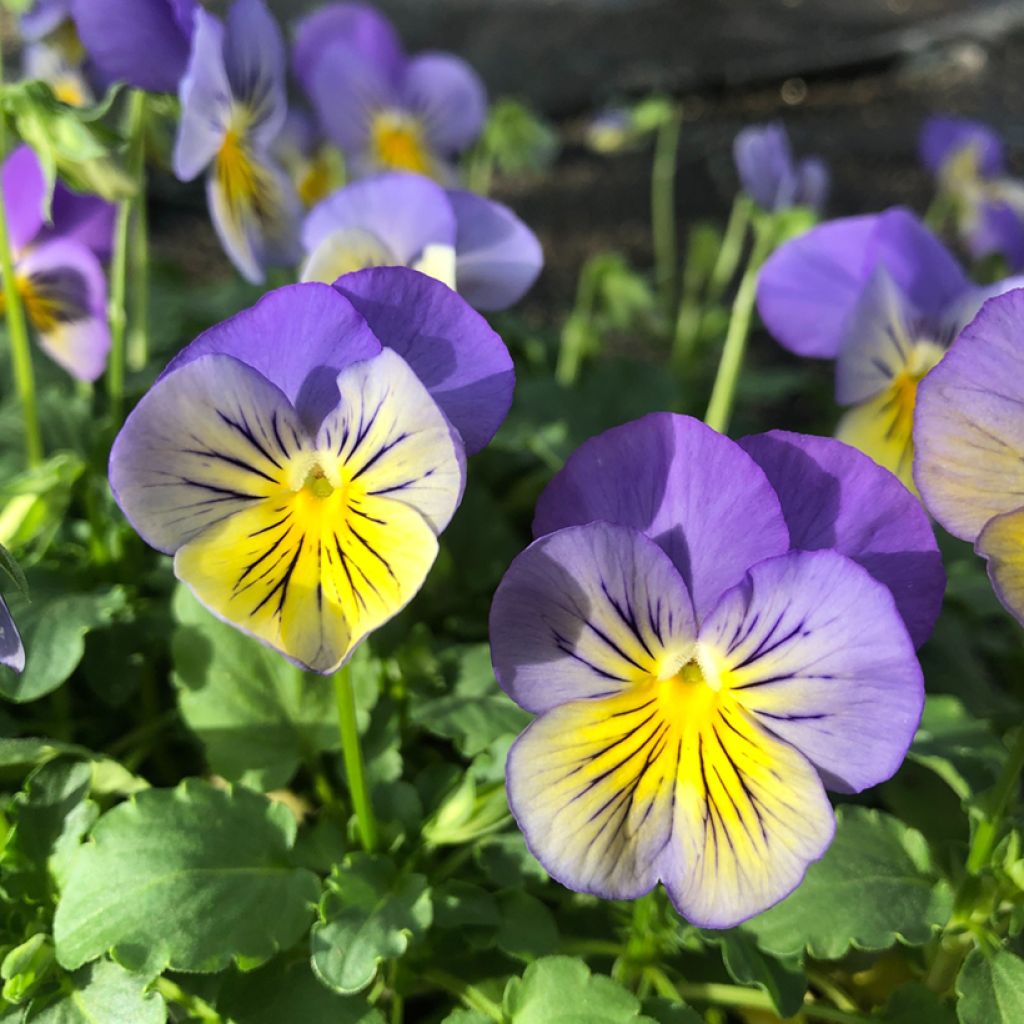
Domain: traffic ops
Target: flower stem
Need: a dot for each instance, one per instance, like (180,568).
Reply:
(663,210)
(724,390)
(470,995)
(753,999)
(987,832)
(116,310)
(17,327)
(352,754)
(138,251)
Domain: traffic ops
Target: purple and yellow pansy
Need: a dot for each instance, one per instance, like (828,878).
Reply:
(711,634)
(300,459)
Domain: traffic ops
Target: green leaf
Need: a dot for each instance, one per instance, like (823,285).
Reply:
(528,929)
(476,712)
(368,914)
(102,993)
(561,990)
(665,1012)
(25,967)
(783,980)
(203,876)
(961,749)
(285,992)
(257,716)
(914,1003)
(877,883)
(991,989)
(54,632)
(11,568)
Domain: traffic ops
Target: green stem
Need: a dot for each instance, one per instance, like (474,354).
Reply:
(17,327)
(724,390)
(352,754)
(138,251)
(116,309)
(753,999)
(663,210)
(197,1008)
(987,832)
(731,252)
(470,995)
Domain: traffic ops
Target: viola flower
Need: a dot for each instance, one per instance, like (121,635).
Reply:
(300,459)
(12,651)
(968,163)
(701,676)
(472,244)
(771,177)
(56,267)
(316,168)
(144,43)
(232,108)
(44,62)
(43,18)
(882,296)
(385,110)
(969,433)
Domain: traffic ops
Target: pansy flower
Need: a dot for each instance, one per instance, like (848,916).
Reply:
(882,296)
(710,637)
(385,110)
(56,267)
(473,244)
(969,434)
(144,43)
(12,651)
(772,177)
(315,167)
(968,162)
(300,459)
(232,108)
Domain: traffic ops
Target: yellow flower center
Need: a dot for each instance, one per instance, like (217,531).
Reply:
(396,141)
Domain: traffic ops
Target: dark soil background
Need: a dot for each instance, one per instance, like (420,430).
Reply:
(851,79)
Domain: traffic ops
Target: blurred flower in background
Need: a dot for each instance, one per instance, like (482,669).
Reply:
(772,177)
(232,108)
(385,110)
(472,244)
(968,162)
(885,298)
(12,651)
(315,167)
(57,266)
(144,43)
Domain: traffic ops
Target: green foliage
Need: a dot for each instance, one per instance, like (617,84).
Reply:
(879,885)
(102,991)
(257,717)
(368,914)
(203,877)
(991,988)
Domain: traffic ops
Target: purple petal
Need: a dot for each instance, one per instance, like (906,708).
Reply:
(835,497)
(24,190)
(969,422)
(12,651)
(944,137)
(808,286)
(69,310)
(299,338)
(206,100)
(346,88)
(816,651)
(764,161)
(42,18)
(814,182)
(261,229)
(254,58)
(449,97)
(463,363)
(405,211)
(881,332)
(141,42)
(694,492)
(497,256)
(82,218)
(997,228)
(360,27)
(588,612)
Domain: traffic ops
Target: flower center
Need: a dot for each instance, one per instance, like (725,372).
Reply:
(924,355)
(317,483)
(396,141)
